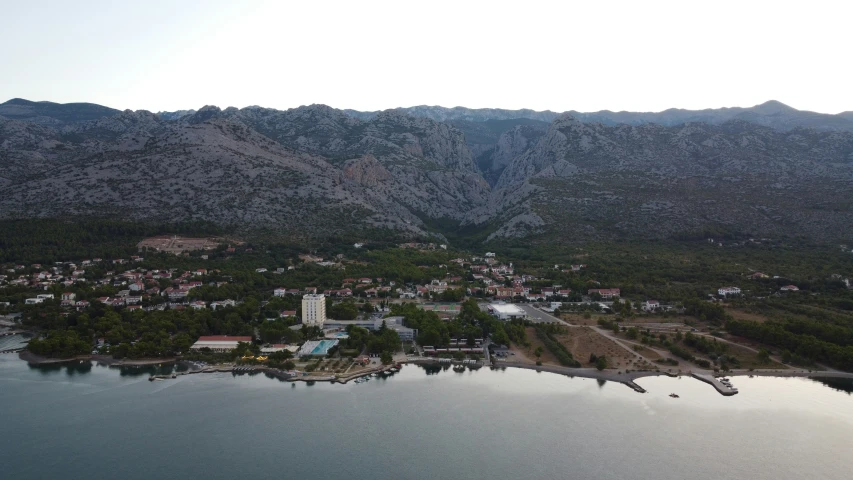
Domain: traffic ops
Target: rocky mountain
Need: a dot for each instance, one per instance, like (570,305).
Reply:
(314,170)
(54,114)
(443,114)
(587,180)
(772,114)
(769,114)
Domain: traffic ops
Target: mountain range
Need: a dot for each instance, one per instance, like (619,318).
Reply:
(768,170)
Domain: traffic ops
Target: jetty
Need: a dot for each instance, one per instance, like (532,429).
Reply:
(714,382)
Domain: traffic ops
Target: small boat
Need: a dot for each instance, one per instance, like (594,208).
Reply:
(673,395)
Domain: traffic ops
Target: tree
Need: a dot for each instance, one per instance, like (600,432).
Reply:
(601,363)
(763,356)
(386,357)
(538,352)
(500,337)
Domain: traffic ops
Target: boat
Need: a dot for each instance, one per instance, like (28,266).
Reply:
(673,395)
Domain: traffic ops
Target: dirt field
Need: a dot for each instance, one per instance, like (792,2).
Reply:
(176,245)
(742,315)
(583,341)
(525,355)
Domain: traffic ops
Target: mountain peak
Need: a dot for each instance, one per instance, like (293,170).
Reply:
(772,107)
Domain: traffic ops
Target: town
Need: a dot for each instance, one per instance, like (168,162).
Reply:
(339,315)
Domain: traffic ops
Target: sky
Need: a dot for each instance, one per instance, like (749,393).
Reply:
(373,55)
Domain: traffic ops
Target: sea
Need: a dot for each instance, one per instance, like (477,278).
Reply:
(84,421)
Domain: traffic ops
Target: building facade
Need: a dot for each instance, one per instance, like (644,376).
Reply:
(313,310)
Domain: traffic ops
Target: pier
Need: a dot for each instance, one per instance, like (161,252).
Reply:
(710,379)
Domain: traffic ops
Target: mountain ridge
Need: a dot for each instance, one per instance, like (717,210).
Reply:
(313,170)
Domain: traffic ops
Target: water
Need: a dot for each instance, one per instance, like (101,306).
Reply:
(82,421)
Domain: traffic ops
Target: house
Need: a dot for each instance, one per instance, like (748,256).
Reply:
(757,275)
(358,245)
(132,300)
(200,272)
(198,305)
(365,280)
(280,292)
(222,303)
(136,287)
(260,270)
(370,293)
(490,254)
(726,291)
(578,268)
(790,288)
(45,296)
(311,290)
(606,293)
(81,305)
(650,305)
(68,296)
(33,301)
(503,292)
(287,313)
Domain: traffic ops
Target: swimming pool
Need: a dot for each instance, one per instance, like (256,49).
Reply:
(317,347)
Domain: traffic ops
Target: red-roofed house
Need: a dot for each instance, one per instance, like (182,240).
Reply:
(606,293)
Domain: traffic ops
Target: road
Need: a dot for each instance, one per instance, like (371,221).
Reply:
(538,316)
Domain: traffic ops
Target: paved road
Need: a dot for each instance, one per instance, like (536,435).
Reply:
(538,316)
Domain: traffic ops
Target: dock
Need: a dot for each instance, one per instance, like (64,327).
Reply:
(636,387)
(710,379)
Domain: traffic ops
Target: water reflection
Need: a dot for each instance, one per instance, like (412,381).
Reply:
(840,384)
(70,368)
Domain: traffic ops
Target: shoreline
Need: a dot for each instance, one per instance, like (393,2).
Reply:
(627,379)
(34,359)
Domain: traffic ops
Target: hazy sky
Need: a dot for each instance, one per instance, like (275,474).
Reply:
(562,55)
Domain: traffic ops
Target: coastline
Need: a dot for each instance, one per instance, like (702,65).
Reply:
(628,378)
(34,359)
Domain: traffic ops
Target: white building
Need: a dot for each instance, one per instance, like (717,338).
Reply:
(506,311)
(280,292)
(313,310)
(650,305)
(219,343)
(33,301)
(725,291)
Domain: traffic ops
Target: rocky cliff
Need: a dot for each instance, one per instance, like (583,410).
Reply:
(314,170)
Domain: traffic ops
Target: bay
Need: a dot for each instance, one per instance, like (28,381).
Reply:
(83,421)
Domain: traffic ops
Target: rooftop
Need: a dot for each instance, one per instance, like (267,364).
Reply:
(506,309)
